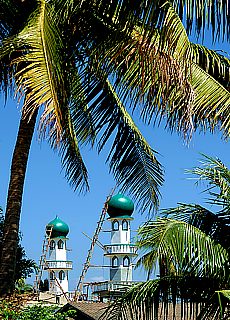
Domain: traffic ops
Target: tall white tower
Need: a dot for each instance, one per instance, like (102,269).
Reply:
(58,265)
(121,251)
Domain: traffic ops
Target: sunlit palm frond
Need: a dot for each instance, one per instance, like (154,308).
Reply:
(72,161)
(213,62)
(211,104)
(160,69)
(131,159)
(215,174)
(202,14)
(79,108)
(38,67)
(196,14)
(167,298)
(225,293)
(212,224)
(182,246)
(208,110)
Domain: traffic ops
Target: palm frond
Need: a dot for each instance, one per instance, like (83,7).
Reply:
(131,159)
(72,161)
(201,15)
(167,298)
(182,247)
(159,70)
(215,174)
(214,63)
(38,67)
(212,224)
(225,293)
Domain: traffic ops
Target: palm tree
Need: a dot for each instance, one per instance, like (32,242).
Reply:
(85,65)
(189,246)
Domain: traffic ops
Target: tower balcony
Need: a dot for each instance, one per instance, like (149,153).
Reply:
(114,249)
(112,286)
(59,265)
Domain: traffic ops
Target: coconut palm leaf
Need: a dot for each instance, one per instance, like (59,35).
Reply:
(167,298)
(72,161)
(225,293)
(39,73)
(213,62)
(131,159)
(185,242)
(198,14)
(38,67)
(215,173)
(213,225)
(203,14)
(161,70)
(183,247)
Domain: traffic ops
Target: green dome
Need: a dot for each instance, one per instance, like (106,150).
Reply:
(60,228)
(120,206)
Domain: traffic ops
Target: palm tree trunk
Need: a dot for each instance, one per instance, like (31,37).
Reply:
(14,203)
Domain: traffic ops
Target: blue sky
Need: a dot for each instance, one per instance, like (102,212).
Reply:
(47,193)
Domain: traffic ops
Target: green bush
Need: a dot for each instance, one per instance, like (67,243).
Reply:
(36,312)
(8,310)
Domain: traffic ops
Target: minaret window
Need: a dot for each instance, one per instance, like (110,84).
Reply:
(126,262)
(52,275)
(60,244)
(125,225)
(61,275)
(115,225)
(115,262)
(52,245)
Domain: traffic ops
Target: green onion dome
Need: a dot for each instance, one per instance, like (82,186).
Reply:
(60,228)
(120,206)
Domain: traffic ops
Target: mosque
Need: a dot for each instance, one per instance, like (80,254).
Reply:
(120,252)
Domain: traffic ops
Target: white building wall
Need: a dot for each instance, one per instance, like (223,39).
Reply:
(120,241)
(120,235)
(54,258)
(57,254)
(120,273)
(53,287)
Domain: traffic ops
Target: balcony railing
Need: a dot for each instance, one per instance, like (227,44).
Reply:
(120,248)
(113,286)
(59,264)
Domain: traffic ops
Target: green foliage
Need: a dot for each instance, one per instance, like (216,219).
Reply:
(22,287)
(24,266)
(88,65)
(189,245)
(10,311)
(39,312)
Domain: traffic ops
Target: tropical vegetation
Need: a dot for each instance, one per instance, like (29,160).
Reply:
(189,247)
(8,310)
(24,266)
(83,67)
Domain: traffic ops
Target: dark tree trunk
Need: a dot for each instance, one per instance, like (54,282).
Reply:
(14,203)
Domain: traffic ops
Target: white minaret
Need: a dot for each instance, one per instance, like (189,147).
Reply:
(121,251)
(58,265)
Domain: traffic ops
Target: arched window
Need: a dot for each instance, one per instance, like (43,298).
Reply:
(60,244)
(124,225)
(52,245)
(126,262)
(114,262)
(115,225)
(61,275)
(52,275)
